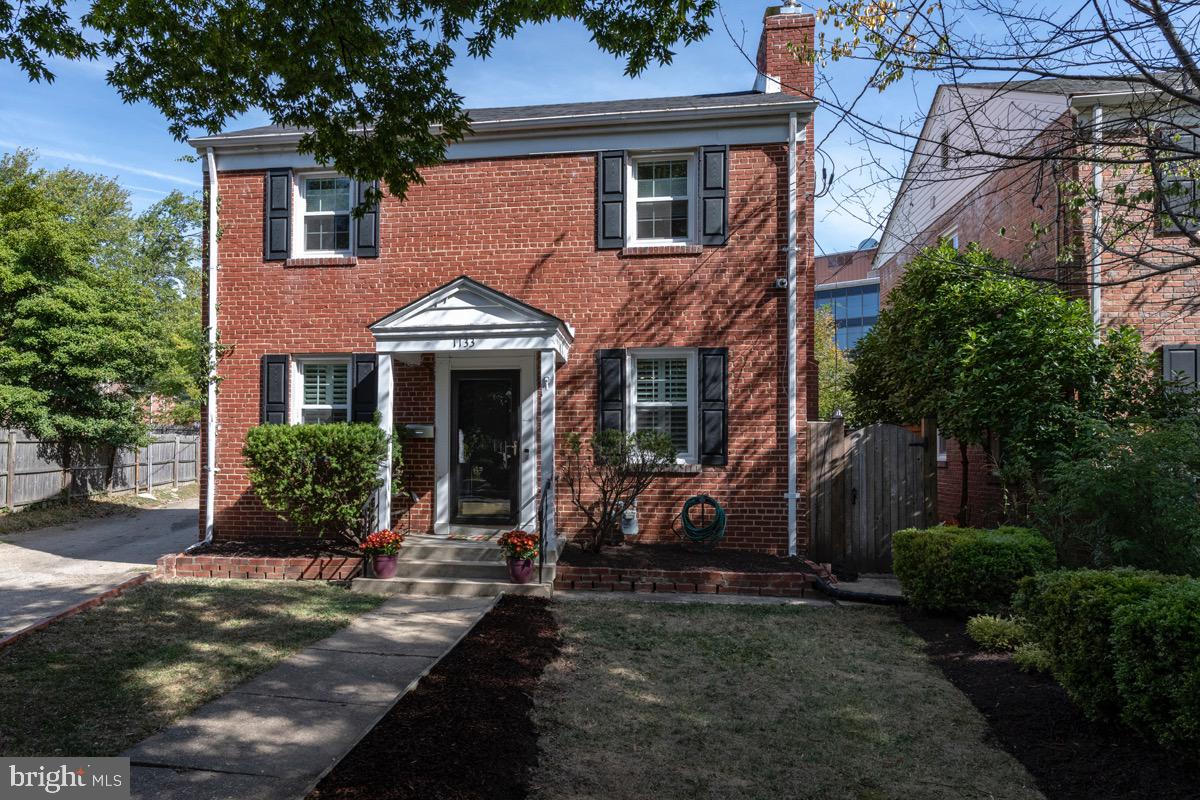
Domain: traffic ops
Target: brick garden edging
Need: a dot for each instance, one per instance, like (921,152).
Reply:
(291,568)
(703,581)
(83,605)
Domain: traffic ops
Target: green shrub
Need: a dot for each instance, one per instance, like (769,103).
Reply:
(1070,614)
(1032,657)
(320,478)
(1128,499)
(1156,646)
(966,569)
(996,633)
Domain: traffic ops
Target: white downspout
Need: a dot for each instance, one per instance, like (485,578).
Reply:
(792,293)
(210,433)
(1097,213)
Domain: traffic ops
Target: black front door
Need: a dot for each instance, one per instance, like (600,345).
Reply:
(484,447)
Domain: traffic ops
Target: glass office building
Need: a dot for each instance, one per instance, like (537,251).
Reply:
(855,306)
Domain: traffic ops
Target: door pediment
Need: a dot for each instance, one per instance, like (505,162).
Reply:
(466,315)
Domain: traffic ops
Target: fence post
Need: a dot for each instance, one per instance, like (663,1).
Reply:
(175,464)
(839,520)
(929,470)
(9,492)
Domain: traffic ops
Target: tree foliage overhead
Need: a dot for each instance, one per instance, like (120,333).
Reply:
(997,360)
(367,77)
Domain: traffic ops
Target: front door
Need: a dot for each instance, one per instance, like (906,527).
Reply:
(484,447)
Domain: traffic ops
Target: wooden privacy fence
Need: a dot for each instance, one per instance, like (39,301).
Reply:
(864,485)
(32,470)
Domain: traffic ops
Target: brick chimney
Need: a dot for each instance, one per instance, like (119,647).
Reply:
(778,69)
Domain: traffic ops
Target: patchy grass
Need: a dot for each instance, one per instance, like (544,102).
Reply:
(98,682)
(701,701)
(50,513)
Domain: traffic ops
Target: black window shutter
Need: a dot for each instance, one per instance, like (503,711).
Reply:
(714,194)
(714,405)
(364,397)
(610,393)
(1181,366)
(274,390)
(610,199)
(366,240)
(277,223)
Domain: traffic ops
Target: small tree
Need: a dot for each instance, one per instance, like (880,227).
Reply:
(834,369)
(320,478)
(996,359)
(622,466)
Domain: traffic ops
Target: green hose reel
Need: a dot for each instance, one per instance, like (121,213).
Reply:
(707,534)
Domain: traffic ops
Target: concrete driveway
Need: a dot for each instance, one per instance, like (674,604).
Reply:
(45,571)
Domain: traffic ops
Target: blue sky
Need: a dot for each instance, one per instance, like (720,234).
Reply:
(80,121)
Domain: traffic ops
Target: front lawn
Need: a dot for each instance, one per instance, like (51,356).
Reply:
(100,681)
(706,701)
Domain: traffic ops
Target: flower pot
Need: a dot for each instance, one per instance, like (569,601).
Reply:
(520,569)
(383,566)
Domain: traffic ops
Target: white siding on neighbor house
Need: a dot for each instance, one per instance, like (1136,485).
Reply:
(999,121)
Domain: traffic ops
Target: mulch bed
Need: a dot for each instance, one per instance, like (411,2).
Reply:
(465,732)
(678,557)
(278,548)
(1031,716)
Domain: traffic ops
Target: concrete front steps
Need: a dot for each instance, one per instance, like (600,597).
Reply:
(431,565)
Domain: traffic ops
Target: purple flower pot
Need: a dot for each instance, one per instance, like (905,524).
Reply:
(520,569)
(383,566)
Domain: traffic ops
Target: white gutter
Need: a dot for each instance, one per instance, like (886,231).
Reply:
(210,432)
(1097,213)
(792,292)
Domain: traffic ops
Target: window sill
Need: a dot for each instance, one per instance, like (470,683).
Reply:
(322,261)
(680,469)
(636,251)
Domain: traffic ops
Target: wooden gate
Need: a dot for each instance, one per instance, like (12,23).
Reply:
(864,485)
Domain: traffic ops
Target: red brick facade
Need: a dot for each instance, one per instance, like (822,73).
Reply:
(608,579)
(525,226)
(299,568)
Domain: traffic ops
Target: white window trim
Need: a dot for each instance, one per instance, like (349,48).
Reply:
(299,240)
(690,353)
(296,401)
(942,453)
(631,199)
(951,236)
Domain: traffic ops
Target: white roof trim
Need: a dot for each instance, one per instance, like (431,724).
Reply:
(466,316)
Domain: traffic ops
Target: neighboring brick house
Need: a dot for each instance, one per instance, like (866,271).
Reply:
(849,288)
(974,176)
(608,264)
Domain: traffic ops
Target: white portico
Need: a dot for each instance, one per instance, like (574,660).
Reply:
(491,427)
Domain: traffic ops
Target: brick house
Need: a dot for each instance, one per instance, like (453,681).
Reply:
(974,176)
(621,264)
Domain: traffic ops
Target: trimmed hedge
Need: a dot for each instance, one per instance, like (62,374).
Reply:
(1070,614)
(1156,647)
(967,570)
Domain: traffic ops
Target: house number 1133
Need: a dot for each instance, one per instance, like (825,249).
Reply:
(464,344)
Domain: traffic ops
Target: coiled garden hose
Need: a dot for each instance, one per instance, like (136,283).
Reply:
(710,533)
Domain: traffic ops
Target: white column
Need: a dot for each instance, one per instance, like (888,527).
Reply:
(383,373)
(547,449)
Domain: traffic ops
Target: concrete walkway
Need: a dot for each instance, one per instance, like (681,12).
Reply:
(48,570)
(275,736)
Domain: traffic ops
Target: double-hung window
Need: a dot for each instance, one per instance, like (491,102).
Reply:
(662,387)
(325,206)
(661,211)
(324,390)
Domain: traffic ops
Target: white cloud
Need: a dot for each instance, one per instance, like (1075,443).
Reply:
(96,161)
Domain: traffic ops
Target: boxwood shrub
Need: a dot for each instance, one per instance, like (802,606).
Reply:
(1156,650)
(320,478)
(1070,613)
(967,570)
